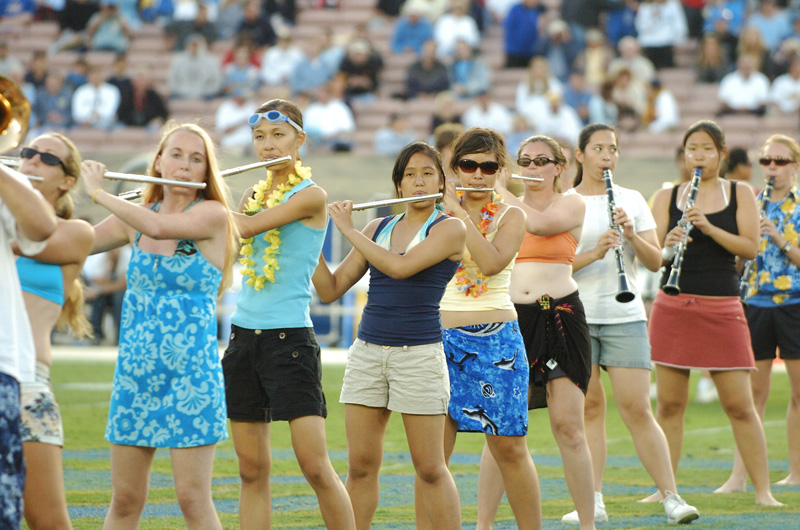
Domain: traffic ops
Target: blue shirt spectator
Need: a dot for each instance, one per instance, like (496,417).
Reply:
(410,33)
(773,23)
(54,103)
(312,71)
(577,96)
(17,8)
(521,34)
(620,23)
(730,12)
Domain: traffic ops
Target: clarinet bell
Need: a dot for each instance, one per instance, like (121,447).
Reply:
(624,295)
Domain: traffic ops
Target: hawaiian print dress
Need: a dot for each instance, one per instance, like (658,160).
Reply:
(168,387)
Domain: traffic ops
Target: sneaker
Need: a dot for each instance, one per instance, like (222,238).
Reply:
(600,515)
(678,512)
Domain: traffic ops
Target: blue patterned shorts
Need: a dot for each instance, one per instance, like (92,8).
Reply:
(12,465)
(40,416)
(488,378)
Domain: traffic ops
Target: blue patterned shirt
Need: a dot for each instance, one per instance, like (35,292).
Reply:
(777,280)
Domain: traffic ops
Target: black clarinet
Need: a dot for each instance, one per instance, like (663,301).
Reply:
(671,287)
(624,294)
(750,265)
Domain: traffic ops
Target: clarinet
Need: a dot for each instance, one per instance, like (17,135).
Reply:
(750,265)
(671,287)
(624,294)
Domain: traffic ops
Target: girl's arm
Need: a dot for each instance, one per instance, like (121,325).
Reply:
(111,233)
(445,241)
(330,286)
(71,243)
(745,244)
(565,214)
(644,243)
(309,202)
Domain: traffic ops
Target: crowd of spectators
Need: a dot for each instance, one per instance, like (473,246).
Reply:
(583,60)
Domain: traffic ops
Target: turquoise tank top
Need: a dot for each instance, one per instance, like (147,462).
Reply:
(285,303)
(41,279)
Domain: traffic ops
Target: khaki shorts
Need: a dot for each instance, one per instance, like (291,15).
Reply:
(39,412)
(404,379)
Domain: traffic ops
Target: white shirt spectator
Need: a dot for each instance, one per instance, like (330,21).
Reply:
(232,121)
(666,111)
(95,105)
(430,9)
(487,113)
(740,93)
(660,23)
(452,27)
(279,63)
(785,91)
(560,122)
(328,119)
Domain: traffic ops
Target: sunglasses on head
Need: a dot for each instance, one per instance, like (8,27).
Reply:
(47,158)
(272,116)
(470,166)
(765,161)
(539,161)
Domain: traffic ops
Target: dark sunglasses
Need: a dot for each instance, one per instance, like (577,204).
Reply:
(539,161)
(780,162)
(470,166)
(47,158)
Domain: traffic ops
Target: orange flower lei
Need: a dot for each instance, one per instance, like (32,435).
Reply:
(480,284)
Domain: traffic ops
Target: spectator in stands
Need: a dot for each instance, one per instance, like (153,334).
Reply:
(772,22)
(77,74)
(157,11)
(328,122)
(73,21)
(631,58)
(253,51)
(411,31)
(521,131)
(430,9)
(782,58)
(602,108)
(427,75)
(17,12)
(560,49)
(621,21)
(231,122)
(120,78)
(531,91)
(282,13)
(313,70)
(488,113)
(256,23)
(280,61)
(360,68)
(558,119)
(596,58)
(8,62)
(95,103)
(107,30)
(194,72)
(144,107)
(37,70)
(785,90)
(751,43)
(177,31)
(630,95)
(577,96)
(455,25)
(388,9)
(497,10)
(445,110)
(54,104)
(520,33)
(662,112)
(392,138)
(712,63)
(725,17)
(240,73)
(661,25)
(469,75)
(129,11)
(745,90)
(49,10)
(17,75)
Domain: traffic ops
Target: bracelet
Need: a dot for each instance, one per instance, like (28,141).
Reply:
(787,247)
(94,195)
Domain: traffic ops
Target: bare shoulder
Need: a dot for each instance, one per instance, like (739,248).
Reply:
(313,193)
(372,227)
(573,201)
(449,227)
(78,230)
(513,215)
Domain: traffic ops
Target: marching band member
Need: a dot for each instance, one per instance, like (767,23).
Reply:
(552,322)
(486,358)
(704,327)
(397,363)
(618,330)
(772,310)
(272,363)
(54,299)
(168,386)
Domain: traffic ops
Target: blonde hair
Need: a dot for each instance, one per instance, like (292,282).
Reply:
(556,151)
(216,190)
(789,142)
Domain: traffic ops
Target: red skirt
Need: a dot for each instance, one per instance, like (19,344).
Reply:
(689,331)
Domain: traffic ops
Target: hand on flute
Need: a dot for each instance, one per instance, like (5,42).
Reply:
(450,200)
(92,175)
(342,214)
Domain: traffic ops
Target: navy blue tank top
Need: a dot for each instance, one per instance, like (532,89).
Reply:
(708,269)
(405,312)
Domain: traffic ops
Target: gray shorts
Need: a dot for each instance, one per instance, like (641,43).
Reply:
(621,345)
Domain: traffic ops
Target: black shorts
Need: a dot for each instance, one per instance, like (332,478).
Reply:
(772,328)
(273,375)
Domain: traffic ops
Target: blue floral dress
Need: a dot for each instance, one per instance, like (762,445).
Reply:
(168,387)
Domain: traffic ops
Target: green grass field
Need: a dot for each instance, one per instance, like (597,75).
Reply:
(83,390)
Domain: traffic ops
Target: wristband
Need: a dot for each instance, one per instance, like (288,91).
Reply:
(787,247)
(94,195)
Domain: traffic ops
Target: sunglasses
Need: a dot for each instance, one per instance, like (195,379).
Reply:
(539,161)
(780,162)
(272,116)
(470,166)
(47,158)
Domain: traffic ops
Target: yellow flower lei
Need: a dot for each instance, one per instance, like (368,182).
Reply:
(258,202)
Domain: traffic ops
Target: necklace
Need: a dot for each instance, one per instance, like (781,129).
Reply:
(464,281)
(261,200)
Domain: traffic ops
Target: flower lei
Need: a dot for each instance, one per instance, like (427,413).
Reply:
(464,282)
(258,202)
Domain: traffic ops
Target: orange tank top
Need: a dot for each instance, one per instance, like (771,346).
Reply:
(558,248)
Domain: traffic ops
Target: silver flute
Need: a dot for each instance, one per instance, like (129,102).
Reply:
(624,294)
(750,265)
(389,202)
(671,287)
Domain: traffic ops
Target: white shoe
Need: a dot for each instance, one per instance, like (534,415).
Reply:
(600,515)
(678,512)
(706,391)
